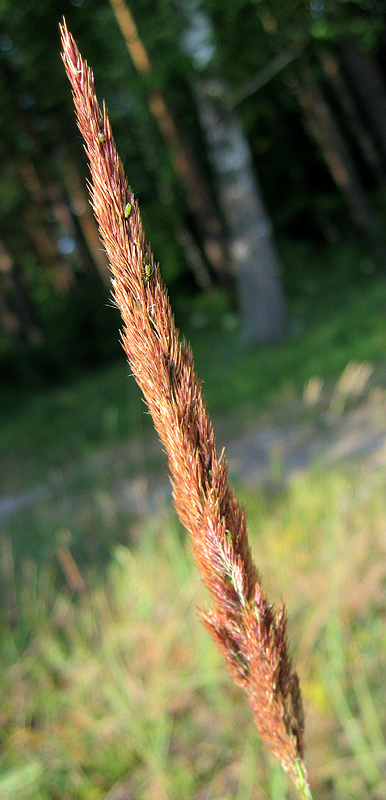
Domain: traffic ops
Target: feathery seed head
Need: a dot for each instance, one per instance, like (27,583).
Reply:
(248,631)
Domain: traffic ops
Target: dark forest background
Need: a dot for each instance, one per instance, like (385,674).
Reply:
(304,83)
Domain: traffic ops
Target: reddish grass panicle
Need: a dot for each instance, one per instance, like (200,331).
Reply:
(249,632)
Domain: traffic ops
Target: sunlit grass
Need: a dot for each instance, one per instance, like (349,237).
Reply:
(115,686)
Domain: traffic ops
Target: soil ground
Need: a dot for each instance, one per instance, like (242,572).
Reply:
(262,452)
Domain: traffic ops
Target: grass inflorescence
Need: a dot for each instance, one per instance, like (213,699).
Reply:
(248,630)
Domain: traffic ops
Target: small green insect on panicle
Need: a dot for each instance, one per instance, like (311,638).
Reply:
(127,210)
(148,272)
(101,137)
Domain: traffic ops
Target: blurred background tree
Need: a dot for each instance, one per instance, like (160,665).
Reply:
(306,81)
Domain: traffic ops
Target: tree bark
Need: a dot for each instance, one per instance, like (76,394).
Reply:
(8,320)
(322,128)
(198,198)
(260,293)
(369,86)
(24,310)
(82,211)
(364,138)
(44,242)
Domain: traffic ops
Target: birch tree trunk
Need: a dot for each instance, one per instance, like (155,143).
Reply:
(260,294)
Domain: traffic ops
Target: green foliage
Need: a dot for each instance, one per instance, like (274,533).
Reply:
(74,337)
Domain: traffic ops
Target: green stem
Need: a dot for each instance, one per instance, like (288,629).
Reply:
(301,781)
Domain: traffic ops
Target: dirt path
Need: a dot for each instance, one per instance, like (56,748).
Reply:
(359,434)
(262,452)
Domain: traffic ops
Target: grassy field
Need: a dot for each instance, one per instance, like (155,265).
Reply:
(110,687)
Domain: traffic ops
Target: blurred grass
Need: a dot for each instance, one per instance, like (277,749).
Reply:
(114,690)
(110,688)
